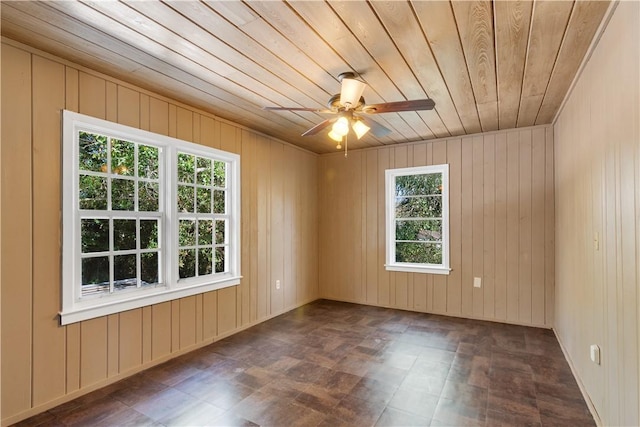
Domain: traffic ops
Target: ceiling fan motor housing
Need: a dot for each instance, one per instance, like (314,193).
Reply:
(335,104)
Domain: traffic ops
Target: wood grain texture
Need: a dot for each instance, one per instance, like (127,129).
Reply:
(597,174)
(486,64)
(475,27)
(512,20)
(81,357)
(17,279)
(543,47)
(49,339)
(491,219)
(583,23)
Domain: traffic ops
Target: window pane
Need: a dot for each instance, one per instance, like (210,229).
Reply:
(148,160)
(419,230)
(187,263)
(187,232)
(93,152)
(205,261)
(218,201)
(220,232)
(95,235)
(122,194)
(411,185)
(124,234)
(205,232)
(148,197)
(185,198)
(93,192)
(220,253)
(95,276)
(148,234)
(186,168)
(204,171)
(419,207)
(204,200)
(122,157)
(419,253)
(219,173)
(124,272)
(149,268)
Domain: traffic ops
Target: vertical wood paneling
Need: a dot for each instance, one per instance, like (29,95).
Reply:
(477,234)
(161,330)
(187,322)
(501,225)
(597,211)
(82,355)
(383,275)
(130,336)
(513,224)
(524,264)
(494,208)
(226,320)
(113,344)
(537,226)
(276,229)
(93,351)
(49,338)
(371,222)
(489,233)
(16,232)
(466,227)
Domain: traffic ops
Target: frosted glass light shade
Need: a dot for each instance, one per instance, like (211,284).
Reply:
(336,137)
(351,92)
(360,128)
(341,126)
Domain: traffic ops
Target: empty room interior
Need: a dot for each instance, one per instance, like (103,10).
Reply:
(320,213)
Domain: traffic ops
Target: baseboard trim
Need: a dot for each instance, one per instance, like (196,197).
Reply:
(441,313)
(583,390)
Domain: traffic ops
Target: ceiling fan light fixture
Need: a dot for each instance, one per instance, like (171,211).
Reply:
(341,126)
(336,137)
(360,128)
(351,92)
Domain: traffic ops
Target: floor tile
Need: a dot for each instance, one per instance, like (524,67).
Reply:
(331,364)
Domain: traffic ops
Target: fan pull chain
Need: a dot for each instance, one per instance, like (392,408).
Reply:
(346,145)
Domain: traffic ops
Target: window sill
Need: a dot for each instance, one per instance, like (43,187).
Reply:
(144,298)
(418,269)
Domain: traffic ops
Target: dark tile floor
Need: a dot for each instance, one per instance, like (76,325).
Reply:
(333,364)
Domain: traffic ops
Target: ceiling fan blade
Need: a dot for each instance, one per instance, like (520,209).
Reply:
(394,107)
(317,128)
(315,110)
(377,129)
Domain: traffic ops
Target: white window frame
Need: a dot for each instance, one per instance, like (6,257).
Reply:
(390,216)
(75,308)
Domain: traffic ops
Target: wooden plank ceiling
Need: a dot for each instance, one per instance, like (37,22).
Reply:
(487,65)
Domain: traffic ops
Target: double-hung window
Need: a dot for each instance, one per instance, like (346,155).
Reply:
(417,219)
(146,218)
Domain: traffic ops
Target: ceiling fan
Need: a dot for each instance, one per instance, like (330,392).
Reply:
(351,111)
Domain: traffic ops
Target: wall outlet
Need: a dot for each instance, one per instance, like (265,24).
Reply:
(595,354)
(477,282)
(277,285)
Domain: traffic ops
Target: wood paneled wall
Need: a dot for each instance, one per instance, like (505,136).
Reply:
(598,221)
(43,363)
(501,228)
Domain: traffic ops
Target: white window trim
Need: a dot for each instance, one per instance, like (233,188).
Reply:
(390,197)
(73,308)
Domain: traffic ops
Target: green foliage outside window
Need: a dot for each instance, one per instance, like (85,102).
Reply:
(418,214)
